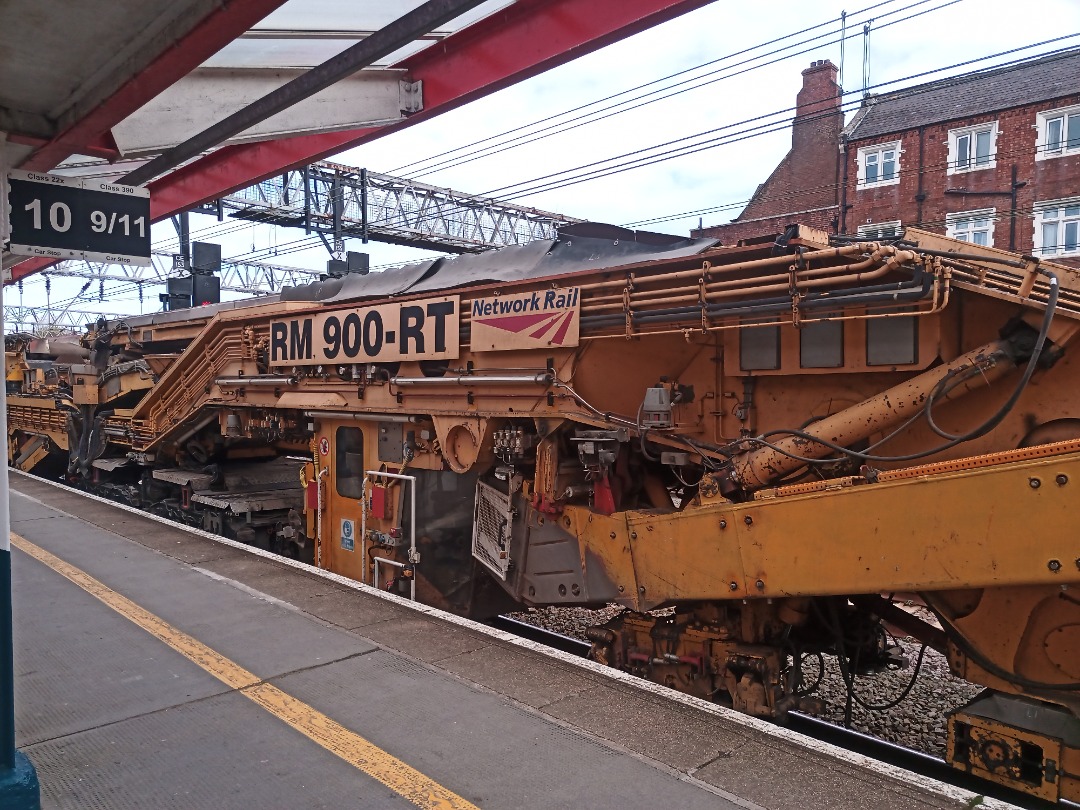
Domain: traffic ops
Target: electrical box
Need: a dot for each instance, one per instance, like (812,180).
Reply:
(392,442)
(178,293)
(205,290)
(656,410)
(380,509)
(352,263)
(357,263)
(205,257)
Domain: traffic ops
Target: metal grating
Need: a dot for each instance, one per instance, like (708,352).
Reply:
(492,519)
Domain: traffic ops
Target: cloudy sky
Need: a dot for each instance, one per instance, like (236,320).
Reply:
(907,38)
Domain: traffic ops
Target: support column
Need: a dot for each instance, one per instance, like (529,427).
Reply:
(19,788)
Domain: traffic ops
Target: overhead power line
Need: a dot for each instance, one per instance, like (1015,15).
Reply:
(425,166)
(753,127)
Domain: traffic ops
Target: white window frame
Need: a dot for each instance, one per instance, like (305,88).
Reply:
(964,225)
(1047,150)
(1066,213)
(872,231)
(971,133)
(877,152)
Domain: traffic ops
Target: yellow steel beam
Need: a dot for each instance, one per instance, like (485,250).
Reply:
(1006,525)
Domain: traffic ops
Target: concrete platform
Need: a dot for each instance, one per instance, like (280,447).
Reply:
(114,717)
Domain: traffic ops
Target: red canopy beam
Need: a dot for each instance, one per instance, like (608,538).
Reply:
(514,44)
(518,42)
(216,30)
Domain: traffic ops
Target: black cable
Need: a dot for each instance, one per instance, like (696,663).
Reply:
(849,678)
(889,704)
(988,425)
(693,148)
(638,87)
(913,92)
(526,139)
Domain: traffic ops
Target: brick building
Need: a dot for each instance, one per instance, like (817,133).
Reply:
(992,157)
(802,188)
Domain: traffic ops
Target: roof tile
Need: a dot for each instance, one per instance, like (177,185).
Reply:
(970,94)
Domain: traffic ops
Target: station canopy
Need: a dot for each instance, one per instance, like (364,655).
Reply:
(152,92)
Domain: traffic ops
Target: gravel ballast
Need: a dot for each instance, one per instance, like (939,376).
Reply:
(917,722)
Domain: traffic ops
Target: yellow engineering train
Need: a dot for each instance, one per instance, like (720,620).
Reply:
(775,438)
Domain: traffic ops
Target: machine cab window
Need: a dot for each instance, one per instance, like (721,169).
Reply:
(349,461)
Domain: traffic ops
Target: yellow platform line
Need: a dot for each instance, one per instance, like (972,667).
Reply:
(403,779)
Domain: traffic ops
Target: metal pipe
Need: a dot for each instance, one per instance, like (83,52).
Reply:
(363,417)
(916,289)
(261,379)
(364,206)
(760,467)
(183,437)
(363,528)
(978,257)
(470,379)
(402,31)
(318,514)
(752,264)
(817,277)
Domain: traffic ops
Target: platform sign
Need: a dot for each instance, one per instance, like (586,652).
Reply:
(62,218)
(348,534)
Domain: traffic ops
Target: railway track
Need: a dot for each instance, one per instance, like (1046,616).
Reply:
(848,739)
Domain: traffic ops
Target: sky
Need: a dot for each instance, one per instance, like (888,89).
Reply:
(907,38)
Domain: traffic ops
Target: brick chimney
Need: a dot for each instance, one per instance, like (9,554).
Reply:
(803,186)
(820,95)
(820,92)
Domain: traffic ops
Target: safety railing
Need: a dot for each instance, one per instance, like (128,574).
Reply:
(414,557)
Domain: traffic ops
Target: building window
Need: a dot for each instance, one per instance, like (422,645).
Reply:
(1059,133)
(879,165)
(976,227)
(877,231)
(973,148)
(1057,228)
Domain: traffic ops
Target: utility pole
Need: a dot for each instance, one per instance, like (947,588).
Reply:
(19,789)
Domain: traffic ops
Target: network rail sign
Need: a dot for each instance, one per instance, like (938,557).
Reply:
(61,218)
(533,320)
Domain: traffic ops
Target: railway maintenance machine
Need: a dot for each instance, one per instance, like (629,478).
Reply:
(784,442)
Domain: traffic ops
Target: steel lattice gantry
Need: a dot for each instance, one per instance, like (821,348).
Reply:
(46,322)
(250,278)
(344,201)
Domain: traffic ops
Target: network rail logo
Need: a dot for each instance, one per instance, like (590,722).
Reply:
(531,320)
